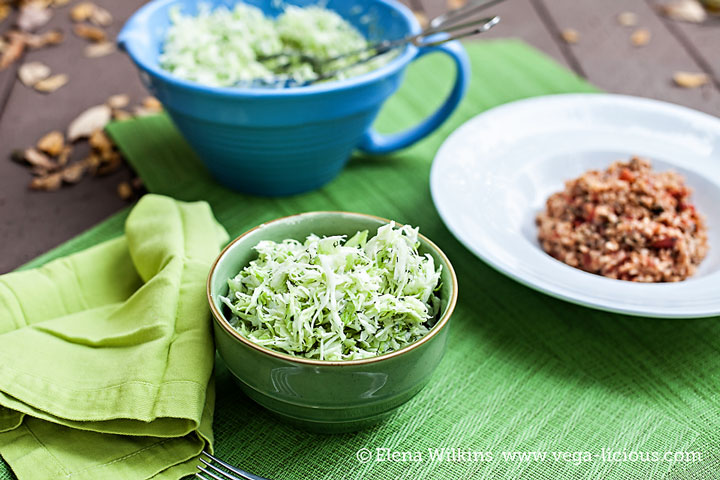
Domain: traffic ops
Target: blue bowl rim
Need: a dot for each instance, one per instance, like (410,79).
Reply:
(389,68)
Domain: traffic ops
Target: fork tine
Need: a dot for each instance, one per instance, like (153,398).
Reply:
(215,477)
(225,475)
(243,474)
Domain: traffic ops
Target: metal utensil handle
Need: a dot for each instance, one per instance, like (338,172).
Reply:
(458,13)
(486,24)
(385,46)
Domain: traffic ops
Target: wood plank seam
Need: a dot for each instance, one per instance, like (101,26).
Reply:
(554,30)
(683,40)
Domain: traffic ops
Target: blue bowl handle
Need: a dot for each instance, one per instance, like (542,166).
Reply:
(376,143)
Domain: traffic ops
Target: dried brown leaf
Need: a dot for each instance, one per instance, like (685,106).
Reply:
(120,100)
(92,162)
(627,19)
(455,4)
(684,10)
(47,183)
(101,17)
(101,143)
(82,11)
(88,32)
(570,35)
(690,79)
(125,191)
(38,159)
(92,119)
(52,37)
(640,37)
(32,72)
(109,164)
(121,115)
(101,49)
(51,143)
(64,156)
(4,11)
(152,104)
(74,172)
(14,49)
(51,84)
(32,16)
(421,18)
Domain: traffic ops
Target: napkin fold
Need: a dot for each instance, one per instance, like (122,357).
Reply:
(106,356)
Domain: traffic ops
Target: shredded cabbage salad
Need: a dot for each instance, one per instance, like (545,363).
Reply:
(335,299)
(221,47)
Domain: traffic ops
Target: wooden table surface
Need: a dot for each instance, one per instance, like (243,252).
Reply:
(32,222)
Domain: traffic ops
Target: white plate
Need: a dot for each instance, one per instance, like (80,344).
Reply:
(492,176)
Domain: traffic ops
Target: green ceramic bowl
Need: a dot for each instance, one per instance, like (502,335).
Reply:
(319,395)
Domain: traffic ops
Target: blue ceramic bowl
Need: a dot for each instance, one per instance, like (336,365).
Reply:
(284,141)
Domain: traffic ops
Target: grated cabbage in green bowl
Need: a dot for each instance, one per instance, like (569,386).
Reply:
(332,299)
(221,47)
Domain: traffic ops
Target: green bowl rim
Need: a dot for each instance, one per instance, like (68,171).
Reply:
(220,319)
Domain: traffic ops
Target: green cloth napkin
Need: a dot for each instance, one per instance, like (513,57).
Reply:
(523,371)
(106,355)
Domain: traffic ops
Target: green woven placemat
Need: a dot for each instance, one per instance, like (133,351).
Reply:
(523,372)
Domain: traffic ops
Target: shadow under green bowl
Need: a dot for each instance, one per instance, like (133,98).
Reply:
(325,396)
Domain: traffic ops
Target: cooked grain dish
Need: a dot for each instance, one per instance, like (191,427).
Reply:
(626,222)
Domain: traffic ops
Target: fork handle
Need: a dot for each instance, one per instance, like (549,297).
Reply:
(377,143)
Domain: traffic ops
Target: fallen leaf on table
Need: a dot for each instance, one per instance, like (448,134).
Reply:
(125,191)
(684,10)
(455,4)
(4,11)
(152,103)
(47,183)
(82,11)
(109,165)
(32,72)
(100,49)
(64,156)
(570,35)
(120,100)
(421,18)
(52,37)
(32,16)
(691,79)
(627,19)
(38,159)
(101,143)
(92,162)
(73,173)
(52,143)
(121,115)
(51,84)
(101,17)
(92,119)
(150,106)
(14,49)
(640,37)
(94,34)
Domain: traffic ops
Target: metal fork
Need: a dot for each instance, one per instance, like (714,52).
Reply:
(213,468)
